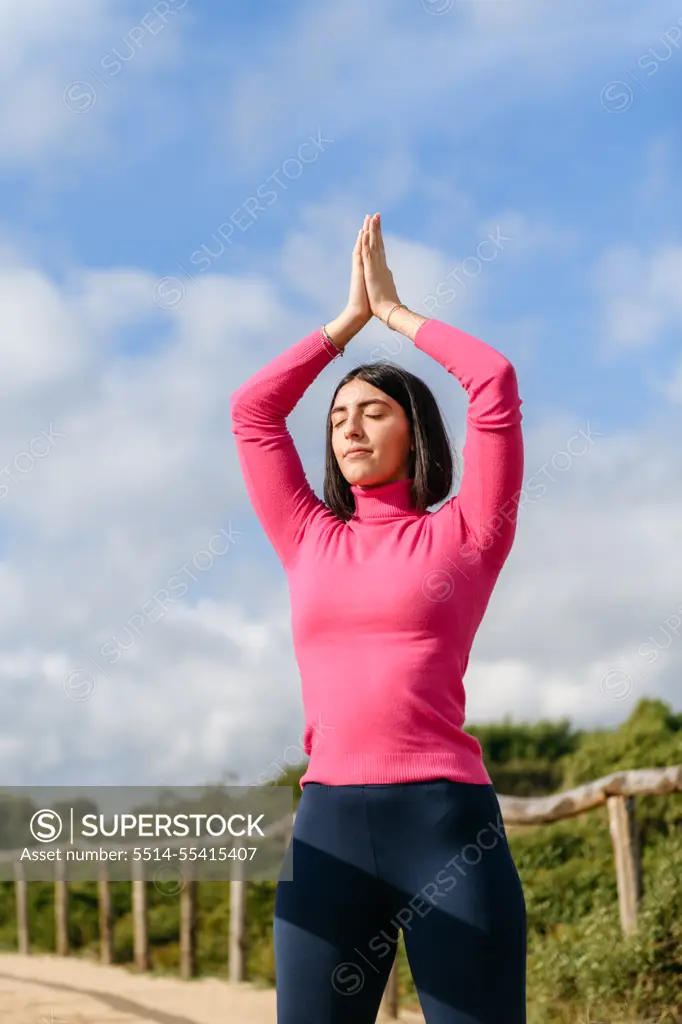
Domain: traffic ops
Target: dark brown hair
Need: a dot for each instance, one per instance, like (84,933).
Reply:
(431,463)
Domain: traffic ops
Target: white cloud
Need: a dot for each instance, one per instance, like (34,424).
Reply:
(671,386)
(40,341)
(640,295)
(65,67)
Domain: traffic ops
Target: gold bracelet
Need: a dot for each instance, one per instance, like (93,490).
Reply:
(398,305)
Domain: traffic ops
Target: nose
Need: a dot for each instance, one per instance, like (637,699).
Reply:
(352,426)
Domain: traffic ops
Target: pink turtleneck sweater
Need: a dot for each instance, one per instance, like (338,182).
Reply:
(385,607)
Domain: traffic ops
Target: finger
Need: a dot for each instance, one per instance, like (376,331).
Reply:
(377,242)
(373,232)
(379,235)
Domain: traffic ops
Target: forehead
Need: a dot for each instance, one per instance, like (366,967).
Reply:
(359,391)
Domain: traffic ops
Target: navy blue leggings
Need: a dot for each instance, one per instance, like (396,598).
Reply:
(430,858)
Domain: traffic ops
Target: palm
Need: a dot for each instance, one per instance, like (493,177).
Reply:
(358,300)
(381,289)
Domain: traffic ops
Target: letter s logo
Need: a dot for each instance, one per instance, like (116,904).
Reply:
(45,825)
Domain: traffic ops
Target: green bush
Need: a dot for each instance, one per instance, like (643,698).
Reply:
(591,964)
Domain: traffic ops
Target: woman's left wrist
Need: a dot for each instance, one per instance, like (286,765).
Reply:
(385,308)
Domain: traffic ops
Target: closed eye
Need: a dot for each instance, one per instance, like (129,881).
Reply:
(369,416)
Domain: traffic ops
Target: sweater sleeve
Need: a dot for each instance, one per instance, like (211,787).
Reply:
(275,480)
(488,496)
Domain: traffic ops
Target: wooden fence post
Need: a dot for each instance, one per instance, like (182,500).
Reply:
(140,930)
(106,944)
(623,831)
(61,909)
(237,959)
(21,894)
(188,929)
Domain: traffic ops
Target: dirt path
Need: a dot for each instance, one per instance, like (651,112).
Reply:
(65,990)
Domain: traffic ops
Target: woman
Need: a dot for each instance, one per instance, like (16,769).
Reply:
(398,825)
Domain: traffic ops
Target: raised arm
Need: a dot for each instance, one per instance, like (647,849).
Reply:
(488,497)
(493,455)
(276,483)
(273,473)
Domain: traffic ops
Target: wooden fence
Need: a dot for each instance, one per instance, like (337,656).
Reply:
(617,791)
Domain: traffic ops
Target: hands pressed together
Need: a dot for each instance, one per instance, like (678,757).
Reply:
(372,289)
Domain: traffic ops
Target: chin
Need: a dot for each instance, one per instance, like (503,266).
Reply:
(356,475)
(369,479)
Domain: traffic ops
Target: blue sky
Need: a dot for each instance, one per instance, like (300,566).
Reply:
(556,130)
(171,168)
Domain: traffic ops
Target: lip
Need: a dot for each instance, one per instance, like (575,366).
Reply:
(357,451)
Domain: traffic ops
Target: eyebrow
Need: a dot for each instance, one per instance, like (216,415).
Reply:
(361,405)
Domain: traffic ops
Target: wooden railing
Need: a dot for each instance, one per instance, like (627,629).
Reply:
(617,791)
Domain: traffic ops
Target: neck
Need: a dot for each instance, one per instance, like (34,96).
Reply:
(384,501)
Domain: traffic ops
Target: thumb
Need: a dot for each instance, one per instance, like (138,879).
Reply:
(357,248)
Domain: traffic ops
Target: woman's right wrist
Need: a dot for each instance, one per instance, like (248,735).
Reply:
(344,328)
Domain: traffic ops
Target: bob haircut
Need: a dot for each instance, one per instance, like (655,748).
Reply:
(431,463)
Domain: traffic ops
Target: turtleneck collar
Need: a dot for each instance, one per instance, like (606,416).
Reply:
(384,501)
